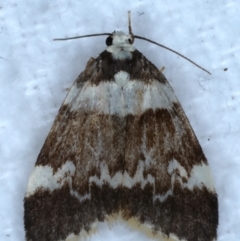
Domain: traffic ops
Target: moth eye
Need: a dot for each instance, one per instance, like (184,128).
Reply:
(109,41)
(130,40)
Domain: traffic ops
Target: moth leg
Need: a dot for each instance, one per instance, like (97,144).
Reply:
(162,69)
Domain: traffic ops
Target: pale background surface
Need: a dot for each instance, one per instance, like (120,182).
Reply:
(36,72)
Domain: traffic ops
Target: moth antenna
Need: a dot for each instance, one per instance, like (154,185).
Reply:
(83,36)
(175,52)
(130,26)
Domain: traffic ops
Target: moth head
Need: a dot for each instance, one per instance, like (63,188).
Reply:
(119,38)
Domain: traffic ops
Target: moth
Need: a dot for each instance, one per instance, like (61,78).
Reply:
(121,147)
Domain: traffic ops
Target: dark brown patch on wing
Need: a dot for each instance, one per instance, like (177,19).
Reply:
(104,67)
(158,137)
(86,140)
(190,215)
(52,216)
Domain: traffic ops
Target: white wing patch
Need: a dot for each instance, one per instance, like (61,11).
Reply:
(200,175)
(121,97)
(43,177)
